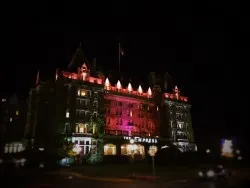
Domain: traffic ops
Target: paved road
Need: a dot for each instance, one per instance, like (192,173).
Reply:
(68,181)
(72,181)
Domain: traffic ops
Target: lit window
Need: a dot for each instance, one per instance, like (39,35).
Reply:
(131,149)
(67,114)
(3,100)
(79,92)
(109,149)
(83,128)
(131,113)
(83,92)
(10,119)
(17,113)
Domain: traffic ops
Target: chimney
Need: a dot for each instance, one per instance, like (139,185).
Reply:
(151,79)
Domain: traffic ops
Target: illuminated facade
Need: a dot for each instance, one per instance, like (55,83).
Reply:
(177,116)
(85,104)
(135,121)
(67,106)
(128,115)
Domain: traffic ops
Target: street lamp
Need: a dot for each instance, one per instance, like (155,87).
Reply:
(132,149)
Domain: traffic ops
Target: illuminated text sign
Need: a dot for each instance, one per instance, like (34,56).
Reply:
(140,139)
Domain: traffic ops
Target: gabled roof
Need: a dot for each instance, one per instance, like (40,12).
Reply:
(78,59)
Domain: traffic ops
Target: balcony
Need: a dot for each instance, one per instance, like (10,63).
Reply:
(82,134)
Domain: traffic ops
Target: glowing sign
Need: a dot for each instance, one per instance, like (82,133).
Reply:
(140,139)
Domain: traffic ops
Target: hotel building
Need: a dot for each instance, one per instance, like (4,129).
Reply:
(136,121)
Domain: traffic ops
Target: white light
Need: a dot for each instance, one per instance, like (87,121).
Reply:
(67,114)
(237,151)
(220,166)
(227,148)
(208,151)
(164,147)
(41,149)
(200,174)
(239,158)
(210,173)
(41,165)
(132,141)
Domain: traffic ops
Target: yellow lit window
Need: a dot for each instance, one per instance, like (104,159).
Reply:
(109,149)
(94,129)
(83,128)
(17,113)
(83,92)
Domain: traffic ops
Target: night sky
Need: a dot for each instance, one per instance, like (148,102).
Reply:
(204,47)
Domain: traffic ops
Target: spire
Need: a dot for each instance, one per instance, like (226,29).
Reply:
(38,77)
(78,58)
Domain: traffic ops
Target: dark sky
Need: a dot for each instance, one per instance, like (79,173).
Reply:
(204,47)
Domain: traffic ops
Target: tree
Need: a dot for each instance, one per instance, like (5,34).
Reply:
(64,146)
(97,127)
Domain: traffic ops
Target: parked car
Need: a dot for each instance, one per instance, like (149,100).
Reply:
(214,173)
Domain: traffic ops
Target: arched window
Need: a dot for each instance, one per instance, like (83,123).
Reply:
(131,149)
(109,149)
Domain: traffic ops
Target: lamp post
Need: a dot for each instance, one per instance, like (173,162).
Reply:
(132,141)
(152,154)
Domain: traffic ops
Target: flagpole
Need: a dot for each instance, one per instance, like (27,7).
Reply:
(119,57)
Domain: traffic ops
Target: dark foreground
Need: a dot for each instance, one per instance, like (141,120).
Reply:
(39,179)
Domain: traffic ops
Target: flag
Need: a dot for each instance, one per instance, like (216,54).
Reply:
(122,52)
